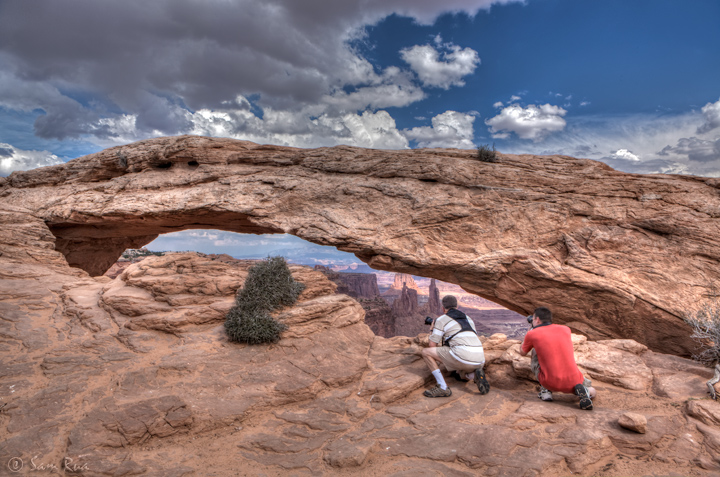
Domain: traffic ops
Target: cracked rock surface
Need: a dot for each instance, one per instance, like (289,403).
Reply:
(616,255)
(107,373)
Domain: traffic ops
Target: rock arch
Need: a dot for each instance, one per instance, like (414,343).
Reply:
(613,254)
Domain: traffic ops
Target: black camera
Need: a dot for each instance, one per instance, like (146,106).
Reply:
(428,320)
(529,319)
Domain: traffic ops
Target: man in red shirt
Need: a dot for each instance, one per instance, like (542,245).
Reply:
(553,359)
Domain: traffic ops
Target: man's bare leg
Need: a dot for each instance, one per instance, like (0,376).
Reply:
(432,359)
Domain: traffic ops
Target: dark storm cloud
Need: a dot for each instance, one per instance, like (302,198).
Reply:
(157,60)
(6,152)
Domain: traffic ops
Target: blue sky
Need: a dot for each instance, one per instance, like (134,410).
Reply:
(635,84)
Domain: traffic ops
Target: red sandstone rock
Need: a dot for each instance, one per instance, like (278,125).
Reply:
(434,305)
(633,421)
(178,398)
(618,256)
(184,400)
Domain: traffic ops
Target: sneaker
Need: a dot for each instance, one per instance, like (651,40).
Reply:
(437,391)
(481,381)
(544,394)
(585,401)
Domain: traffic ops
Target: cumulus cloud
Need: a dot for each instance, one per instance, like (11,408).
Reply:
(161,62)
(624,154)
(449,129)
(395,90)
(533,122)
(441,69)
(711,113)
(695,149)
(662,143)
(300,129)
(14,159)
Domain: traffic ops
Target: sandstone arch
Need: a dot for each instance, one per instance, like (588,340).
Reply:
(613,254)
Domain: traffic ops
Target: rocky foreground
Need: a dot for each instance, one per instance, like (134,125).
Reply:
(134,376)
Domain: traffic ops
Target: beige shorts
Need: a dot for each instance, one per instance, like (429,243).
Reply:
(452,364)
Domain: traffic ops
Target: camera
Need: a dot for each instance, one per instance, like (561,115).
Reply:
(529,319)
(428,320)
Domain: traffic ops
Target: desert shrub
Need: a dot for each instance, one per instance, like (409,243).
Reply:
(485,154)
(269,286)
(705,323)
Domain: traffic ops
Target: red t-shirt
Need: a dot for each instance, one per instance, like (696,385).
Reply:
(553,345)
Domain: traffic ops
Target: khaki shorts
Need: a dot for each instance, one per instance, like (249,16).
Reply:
(452,364)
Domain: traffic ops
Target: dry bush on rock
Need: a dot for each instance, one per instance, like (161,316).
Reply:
(705,323)
(269,286)
(485,154)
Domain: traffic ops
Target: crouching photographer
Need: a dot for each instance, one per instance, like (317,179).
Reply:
(454,343)
(553,359)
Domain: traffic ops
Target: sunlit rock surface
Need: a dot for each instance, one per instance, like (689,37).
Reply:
(136,376)
(614,255)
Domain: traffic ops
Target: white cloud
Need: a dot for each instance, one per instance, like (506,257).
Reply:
(662,143)
(711,112)
(499,104)
(14,159)
(514,98)
(624,154)
(534,122)
(449,129)
(302,129)
(375,130)
(441,71)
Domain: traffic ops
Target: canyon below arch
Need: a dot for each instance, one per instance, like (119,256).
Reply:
(134,375)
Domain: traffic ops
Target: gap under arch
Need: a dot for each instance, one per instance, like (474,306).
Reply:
(388,312)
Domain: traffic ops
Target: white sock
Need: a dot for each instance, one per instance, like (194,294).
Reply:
(439,378)
(470,376)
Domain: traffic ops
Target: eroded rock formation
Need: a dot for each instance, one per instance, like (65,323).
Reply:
(356,285)
(135,376)
(612,254)
(434,306)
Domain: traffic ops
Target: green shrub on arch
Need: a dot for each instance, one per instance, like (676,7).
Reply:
(269,286)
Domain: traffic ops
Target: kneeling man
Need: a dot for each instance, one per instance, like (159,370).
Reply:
(553,360)
(454,343)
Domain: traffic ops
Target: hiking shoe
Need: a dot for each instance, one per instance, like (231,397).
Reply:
(585,401)
(437,391)
(458,376)
(481,381)
(544,394)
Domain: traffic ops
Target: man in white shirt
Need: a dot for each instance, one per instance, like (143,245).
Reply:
(455,344)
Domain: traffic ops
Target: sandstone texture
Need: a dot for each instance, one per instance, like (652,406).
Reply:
(633,421)
(356,285)
(135,376)
(614,255)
